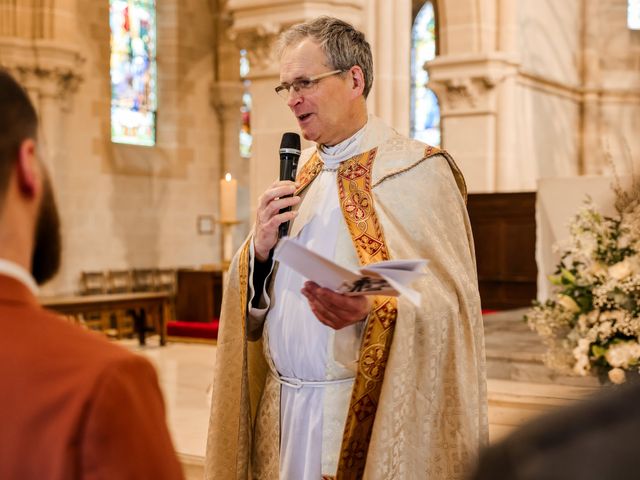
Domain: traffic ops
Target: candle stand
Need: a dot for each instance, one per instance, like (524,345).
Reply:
(227,241)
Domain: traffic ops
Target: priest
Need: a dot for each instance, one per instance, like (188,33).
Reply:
(313,384)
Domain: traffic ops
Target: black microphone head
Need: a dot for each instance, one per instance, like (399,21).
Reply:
(290,143)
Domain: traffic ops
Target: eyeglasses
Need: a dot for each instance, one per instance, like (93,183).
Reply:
(303,85)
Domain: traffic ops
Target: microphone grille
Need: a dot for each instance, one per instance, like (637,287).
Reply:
(290,140)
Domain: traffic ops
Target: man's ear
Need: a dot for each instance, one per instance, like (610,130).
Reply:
(28,169)
(357,80)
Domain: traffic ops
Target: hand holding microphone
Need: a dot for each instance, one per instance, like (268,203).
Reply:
(274,206)
(289,155)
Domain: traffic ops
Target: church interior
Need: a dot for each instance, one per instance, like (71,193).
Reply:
(160,129)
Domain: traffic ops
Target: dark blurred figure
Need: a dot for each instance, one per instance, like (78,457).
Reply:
(72,405)
(596,439)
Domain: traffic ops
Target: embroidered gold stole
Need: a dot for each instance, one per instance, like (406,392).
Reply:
(356,202)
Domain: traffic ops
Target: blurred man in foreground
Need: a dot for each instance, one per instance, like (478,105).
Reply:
(72,406)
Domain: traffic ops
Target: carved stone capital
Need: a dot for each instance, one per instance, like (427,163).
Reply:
(257,24)
(226,99)
(465,92)
(50,69)
(259,44)
(468,83)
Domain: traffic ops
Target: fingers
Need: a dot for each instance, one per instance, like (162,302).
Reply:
(269,218)
(277,189)
(334,309)
(273,208)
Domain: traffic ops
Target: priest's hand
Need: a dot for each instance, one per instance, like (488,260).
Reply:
(334,309)
(269,218)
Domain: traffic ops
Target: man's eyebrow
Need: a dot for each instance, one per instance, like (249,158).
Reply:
(299,77)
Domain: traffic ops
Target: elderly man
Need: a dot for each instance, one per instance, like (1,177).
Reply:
(311,383)
(72,405)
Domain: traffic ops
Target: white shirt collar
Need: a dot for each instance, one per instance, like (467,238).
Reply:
(15,271)
(332,156)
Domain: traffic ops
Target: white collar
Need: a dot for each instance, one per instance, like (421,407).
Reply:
(332,156)
(17,272)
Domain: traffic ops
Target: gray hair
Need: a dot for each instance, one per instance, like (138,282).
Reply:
(343,45)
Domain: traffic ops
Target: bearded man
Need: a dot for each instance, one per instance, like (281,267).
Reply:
(73,405)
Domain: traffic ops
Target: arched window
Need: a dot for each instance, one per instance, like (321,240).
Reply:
(133,71)
(633,14)
(246,139)
(425,111)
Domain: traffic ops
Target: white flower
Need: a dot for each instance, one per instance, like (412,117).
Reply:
(597,269)
(623,353)
(568,303)
(581,354)
(582,365)
(617,376)
(620,270)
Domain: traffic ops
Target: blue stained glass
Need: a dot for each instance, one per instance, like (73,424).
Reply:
(425,111)
(633,14)
(246,139)
(133,71)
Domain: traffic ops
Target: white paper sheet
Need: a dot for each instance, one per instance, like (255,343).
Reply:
(391,277)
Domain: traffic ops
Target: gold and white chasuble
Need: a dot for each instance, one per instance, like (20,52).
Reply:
(417,406)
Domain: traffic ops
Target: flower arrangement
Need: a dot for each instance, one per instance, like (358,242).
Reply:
(592,325)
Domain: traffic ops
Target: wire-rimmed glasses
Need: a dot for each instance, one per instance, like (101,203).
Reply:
(303,85)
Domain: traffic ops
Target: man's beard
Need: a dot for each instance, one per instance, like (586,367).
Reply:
(47,249)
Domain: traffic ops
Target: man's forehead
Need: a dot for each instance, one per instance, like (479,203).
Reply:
(301,60)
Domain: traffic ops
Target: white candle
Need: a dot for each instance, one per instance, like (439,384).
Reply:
(228,198)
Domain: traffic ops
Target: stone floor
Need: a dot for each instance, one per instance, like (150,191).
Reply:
(185,372)
(520,387)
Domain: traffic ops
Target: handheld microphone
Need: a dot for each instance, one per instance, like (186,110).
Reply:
(289,155)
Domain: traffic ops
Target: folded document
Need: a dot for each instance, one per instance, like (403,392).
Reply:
(391,277)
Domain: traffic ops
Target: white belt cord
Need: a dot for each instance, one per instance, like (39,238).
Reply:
(298,384)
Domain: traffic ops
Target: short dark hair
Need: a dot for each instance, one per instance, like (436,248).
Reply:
(18,122)
(341,42)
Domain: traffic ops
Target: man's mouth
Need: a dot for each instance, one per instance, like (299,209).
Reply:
(304,116)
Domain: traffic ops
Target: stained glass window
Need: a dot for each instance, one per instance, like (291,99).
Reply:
(246,138)
(133,71)
(425,111)
(633,14)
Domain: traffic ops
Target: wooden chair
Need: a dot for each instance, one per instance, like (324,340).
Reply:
(120,281)
(143,279)
(165,280)
(94,283)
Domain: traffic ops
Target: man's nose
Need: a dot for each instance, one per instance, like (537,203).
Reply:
(294,98)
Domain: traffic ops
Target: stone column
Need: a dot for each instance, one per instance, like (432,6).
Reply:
(226,98)
(468,88)
(591,149)
(51,73)
(475,78)
(388,30)
(38,45)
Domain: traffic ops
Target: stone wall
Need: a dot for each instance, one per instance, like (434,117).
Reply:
(528,89)
(127,206)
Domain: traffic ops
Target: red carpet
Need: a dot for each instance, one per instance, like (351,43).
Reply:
(206,330)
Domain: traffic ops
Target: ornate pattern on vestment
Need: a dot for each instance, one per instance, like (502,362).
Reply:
(243,273)
(356,201)
(308,172)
